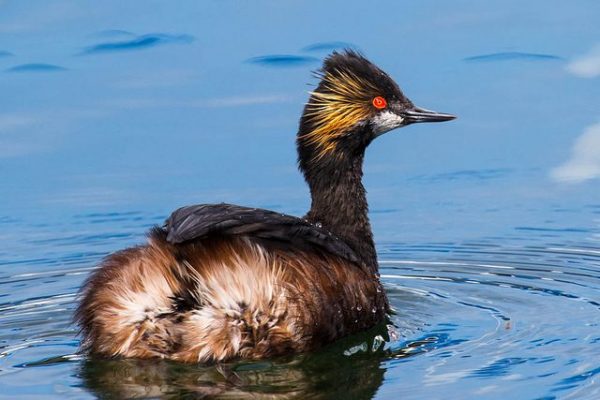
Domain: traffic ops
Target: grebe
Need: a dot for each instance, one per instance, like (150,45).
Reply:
(221,281)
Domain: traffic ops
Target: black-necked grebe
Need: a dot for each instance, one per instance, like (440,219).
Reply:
(221,281)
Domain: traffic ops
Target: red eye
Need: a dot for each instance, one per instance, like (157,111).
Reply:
(379,102)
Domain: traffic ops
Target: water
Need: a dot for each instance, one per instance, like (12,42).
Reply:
(488,227)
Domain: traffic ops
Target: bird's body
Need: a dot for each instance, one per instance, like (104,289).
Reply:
(221,281)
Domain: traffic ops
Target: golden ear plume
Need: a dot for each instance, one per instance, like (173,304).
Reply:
(343,102)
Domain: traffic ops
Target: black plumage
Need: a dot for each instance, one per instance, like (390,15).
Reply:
(200,221)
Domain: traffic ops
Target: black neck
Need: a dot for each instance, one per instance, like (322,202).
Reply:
(339,202)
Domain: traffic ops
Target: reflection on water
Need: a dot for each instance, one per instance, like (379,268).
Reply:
(584,163)
(352,368)
(587,65)
(328,374)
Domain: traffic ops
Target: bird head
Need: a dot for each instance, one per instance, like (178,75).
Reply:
(354,103)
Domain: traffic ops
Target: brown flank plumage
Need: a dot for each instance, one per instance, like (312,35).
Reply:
(219,282)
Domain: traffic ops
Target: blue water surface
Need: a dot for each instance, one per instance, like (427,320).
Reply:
(115,113)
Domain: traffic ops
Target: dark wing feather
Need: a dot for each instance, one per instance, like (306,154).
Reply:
(198,221)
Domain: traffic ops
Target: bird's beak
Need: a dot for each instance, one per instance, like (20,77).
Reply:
(417,114)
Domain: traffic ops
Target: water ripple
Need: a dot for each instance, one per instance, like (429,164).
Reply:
(36,67)
(464,313)
(513,56)
(138,43)
(282,60)
(329,46)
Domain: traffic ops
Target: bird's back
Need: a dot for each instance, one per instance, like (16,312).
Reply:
(230,292)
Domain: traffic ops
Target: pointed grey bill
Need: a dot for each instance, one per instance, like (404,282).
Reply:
(417,114)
